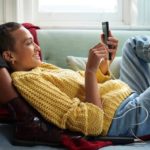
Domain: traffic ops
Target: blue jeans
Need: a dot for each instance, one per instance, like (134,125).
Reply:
(133,115)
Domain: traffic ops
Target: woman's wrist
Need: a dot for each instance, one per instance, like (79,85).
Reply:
(90,71)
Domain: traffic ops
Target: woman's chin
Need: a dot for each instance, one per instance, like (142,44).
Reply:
(39,62)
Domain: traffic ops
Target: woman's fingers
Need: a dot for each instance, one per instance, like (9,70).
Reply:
(113,42)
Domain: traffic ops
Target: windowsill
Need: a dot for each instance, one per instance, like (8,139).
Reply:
(89,26)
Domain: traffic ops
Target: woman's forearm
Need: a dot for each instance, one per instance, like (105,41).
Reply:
(91,89)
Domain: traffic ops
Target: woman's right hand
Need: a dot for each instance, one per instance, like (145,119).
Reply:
(97,54)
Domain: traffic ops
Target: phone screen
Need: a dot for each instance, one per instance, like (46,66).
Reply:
(105,28)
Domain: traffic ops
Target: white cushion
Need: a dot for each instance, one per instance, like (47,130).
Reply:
(76,63)
(79,63)
(115,67)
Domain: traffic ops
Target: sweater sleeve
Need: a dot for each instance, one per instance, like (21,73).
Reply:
(56,107)
(101,78)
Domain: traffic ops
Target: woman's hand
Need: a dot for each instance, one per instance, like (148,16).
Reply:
(97,55)
(112,45)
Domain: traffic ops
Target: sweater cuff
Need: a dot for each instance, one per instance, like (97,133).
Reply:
(101,77)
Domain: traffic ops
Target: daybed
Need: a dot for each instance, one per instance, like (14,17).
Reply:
(56,45)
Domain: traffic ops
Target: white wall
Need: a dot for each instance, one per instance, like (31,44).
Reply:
(1,11)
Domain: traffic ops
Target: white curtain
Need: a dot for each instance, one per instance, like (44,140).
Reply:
(143,17)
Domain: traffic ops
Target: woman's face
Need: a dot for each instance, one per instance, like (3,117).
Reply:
(25,52)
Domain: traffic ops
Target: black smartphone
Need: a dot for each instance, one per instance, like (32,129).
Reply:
(105,28)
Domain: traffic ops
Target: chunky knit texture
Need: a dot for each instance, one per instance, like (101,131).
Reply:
(59,95)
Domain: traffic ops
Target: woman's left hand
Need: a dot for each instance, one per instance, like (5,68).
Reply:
(112,45)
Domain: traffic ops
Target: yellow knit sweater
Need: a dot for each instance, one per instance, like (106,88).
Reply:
(59,95)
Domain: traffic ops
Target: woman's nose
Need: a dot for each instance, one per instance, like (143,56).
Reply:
(37,48)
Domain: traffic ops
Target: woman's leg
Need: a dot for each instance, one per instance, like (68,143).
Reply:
(132,117)
(135,70)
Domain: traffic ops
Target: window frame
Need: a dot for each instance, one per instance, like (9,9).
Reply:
(74,20)
(130,19)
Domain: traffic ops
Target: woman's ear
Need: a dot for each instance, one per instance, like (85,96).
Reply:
(8,56)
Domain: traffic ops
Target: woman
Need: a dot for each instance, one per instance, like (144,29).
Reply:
(60,95)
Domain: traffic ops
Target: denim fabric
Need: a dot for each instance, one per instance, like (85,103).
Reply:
(132,117)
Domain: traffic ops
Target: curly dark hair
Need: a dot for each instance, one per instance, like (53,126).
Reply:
(7,42)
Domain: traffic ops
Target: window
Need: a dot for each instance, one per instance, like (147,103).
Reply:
(79,13)
(77,6)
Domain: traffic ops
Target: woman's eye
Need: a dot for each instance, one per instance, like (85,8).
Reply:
(29,42)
